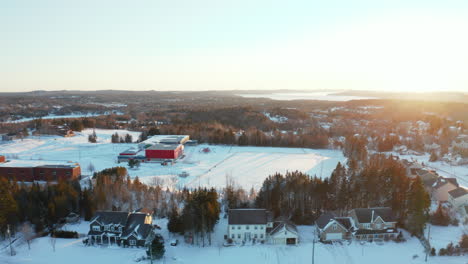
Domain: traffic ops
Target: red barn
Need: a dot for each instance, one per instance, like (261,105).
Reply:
(2,158)
(162,151)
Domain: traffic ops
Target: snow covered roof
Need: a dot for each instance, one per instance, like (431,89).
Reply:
(38,163)
(167,139)
(286,225)
(441,181)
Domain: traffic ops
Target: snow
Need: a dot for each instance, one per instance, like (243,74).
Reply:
(72,251)
(441,236)
(247,166)
(442,168)
(276,118)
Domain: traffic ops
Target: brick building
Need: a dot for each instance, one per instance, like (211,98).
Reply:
(38,170)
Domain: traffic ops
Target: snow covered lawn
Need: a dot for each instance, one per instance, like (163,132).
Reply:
(72,251)
(246,166)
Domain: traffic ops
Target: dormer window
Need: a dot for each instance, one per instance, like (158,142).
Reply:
(96,228)
(106,228)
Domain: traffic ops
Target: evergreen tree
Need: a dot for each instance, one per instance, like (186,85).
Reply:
(156,249)
(418,207)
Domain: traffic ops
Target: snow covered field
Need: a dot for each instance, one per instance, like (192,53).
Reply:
(72,251)
(246,166)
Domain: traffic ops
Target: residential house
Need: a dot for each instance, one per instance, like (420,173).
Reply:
(333,228)
(458,199)
(283,233)
(245,225)
(120,228)
(374,223)
(442,187)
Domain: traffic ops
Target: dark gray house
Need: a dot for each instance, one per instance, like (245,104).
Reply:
(120,228)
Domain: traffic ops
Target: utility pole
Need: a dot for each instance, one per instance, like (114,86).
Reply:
(428,243)
(9,238)
(313,249)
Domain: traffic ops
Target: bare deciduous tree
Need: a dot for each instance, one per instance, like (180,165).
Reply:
(28,233)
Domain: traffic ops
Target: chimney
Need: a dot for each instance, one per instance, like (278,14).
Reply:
(372,218)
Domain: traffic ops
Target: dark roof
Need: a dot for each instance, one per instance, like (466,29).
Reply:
(364,215)
(110,217)
(345,222)
(324,219)
(136,225)
(441,181)
(249,216)
(458,192)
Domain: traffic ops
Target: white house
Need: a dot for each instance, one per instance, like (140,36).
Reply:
(284,233)
(458,199)
(245,225)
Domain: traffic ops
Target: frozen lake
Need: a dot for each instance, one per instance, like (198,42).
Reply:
(323,96)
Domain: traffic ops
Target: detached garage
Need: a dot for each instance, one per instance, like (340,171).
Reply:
(284,234)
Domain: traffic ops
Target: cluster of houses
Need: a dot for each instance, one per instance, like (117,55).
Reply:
(258,225)
(442,189)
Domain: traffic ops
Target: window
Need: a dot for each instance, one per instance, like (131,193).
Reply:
(54,173)
(261,235)
(233,227)
(120,229)
(238,235)
(261,227)
(255,236)
(233,236)
(106,228)
(334,227)
(132,242)
(256,227)
(247,227)
(238,227)
(96,228)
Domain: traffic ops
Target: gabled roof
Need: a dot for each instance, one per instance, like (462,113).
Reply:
(287,225)
(345,222)
(110,217)
(441,181)
(458,192)
(367,215)
(136,226)
(249,217)
(324,219)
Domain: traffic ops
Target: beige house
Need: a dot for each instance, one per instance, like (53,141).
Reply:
(458,199)
(333,228)
(442,187)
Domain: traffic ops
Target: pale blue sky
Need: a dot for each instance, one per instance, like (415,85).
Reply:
(244,44)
